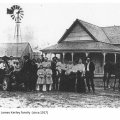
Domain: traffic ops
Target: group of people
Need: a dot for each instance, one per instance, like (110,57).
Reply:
(55,75)
(78,76)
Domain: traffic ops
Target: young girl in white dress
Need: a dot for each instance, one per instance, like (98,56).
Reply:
(41,78)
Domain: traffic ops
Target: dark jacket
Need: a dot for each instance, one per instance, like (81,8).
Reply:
(53,67)
(91,67)
(27,66)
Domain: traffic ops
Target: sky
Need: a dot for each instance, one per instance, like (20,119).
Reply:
(44,24)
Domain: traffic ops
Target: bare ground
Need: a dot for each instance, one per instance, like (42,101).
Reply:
(101,98)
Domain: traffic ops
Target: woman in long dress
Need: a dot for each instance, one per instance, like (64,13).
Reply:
(80,77)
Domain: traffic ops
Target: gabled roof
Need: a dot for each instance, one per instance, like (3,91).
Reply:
(82,46)
(104,39)
(94,31)
(12,49)
(113,33)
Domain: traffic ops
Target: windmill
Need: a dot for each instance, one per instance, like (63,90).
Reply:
(16,14)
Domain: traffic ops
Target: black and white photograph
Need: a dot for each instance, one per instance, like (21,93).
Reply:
(59,55)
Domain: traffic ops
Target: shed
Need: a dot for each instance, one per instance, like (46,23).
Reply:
(17,50)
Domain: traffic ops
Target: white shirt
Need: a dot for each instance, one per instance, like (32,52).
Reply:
(78,67)
(11,62)
(2,65)
(46,64)
(88,66)
(81,67)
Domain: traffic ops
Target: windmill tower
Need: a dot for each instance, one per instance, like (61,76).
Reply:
(16,14)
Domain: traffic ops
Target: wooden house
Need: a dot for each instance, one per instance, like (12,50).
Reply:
(84,39)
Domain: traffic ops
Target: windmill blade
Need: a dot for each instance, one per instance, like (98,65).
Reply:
(21,11)
(13,7)
(20,8)
(21,16)
(17,7)
(13,17)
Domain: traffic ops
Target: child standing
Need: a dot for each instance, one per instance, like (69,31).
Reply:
(48,78)
(41,78)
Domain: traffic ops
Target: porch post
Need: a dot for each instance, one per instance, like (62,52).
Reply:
(55,54)
(104,54)
(86,54)
(115,57)
(72,56)
(63,56)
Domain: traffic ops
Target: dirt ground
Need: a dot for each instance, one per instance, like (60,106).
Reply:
(53,99)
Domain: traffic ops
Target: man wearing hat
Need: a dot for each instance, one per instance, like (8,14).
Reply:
(89,74)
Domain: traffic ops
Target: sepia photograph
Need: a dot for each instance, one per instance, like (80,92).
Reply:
(59,55)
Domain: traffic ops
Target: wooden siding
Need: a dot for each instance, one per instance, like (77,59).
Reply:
(77,34)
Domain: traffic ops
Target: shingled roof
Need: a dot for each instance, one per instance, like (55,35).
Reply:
(113,33)
(82,46)
(104,39)
(12,49)
(94,31)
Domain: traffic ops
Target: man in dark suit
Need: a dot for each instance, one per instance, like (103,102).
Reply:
(89,74)
(54,74)
(26,70)
(33,75)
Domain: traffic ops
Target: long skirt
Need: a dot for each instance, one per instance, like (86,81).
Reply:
(40,80)
(63,83)
(81,87)
(48,80)
(71,82)
(67,82)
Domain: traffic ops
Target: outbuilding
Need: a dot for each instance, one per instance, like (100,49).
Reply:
(17,50)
